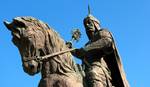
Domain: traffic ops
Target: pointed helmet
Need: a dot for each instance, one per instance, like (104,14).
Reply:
(92,18)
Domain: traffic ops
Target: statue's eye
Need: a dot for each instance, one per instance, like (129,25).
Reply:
(29,38)
(89,23)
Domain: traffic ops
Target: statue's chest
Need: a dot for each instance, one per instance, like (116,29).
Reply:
(97,36)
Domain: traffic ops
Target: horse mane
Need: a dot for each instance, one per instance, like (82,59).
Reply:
(53,43)
(33,24)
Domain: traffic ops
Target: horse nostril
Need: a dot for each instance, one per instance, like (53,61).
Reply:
(31,66)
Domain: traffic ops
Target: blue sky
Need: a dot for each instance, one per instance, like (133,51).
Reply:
(128,20)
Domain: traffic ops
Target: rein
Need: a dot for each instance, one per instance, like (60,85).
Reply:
(41,58)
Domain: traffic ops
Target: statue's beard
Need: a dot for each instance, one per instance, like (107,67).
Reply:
(90,28)
(90,34)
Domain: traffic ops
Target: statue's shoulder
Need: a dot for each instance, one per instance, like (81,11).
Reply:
(87,43)
(103,32)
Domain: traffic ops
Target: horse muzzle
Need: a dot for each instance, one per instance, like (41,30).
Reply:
(30,67)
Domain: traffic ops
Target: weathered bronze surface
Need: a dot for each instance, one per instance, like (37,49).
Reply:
(100,58)
(34,39)
(43,50)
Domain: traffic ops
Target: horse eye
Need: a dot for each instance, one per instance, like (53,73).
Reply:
(29,38)
(19,24)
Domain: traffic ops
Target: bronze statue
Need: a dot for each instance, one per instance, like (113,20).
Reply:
(34,39)
(43,50)
(100,58)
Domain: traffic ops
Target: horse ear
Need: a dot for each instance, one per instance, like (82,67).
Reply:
(7,24)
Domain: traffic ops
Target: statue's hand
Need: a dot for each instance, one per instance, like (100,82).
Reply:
(81,52)
(69,44)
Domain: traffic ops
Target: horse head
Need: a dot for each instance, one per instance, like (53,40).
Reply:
(29,39)
(34,39)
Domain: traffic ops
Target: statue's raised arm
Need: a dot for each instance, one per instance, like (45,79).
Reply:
(103,67)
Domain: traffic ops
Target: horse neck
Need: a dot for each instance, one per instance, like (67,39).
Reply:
(61,63)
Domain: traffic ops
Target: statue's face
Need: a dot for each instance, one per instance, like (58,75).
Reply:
(89,25)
